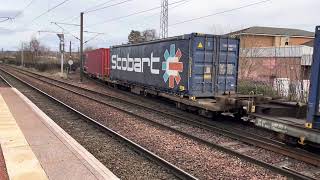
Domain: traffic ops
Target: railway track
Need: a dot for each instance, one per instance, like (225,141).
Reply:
(245,137)
(4,83)
(58,108)
(217,127)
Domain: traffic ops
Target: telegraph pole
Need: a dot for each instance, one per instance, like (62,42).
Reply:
(22,54)
(81,46)
(70,51)
(61,47)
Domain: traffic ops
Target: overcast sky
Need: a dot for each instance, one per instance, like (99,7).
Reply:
(301,14)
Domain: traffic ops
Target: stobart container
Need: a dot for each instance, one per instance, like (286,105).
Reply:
(195,65)
(97,63)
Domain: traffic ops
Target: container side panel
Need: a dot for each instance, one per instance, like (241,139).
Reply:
(227,69)
(202,84)
(107,62)
(160,65)
(103,63)
(95,62)
(214,66)
(209,69)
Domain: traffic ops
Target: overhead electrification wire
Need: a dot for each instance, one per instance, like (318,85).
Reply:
(132,14)
(180,4)
(19,13)
(68,24)
(146,20)
(42,14)
(115,4)
(98,5)
(54,7)
(4,19)
(93,8)
(221,12)
(64,30)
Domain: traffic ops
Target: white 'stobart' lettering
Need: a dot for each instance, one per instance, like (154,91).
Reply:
(134,64)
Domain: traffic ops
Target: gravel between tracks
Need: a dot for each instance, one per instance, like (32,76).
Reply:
(125,163)
(200,160)
(154,102)
(257,153)
(121,160)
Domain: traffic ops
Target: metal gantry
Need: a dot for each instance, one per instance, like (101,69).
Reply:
(164,19)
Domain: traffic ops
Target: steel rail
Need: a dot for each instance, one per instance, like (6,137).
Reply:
(148,154)
(228,131)
(280,170)
(4,81)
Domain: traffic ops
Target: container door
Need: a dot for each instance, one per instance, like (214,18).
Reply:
(227,64)
(202,79)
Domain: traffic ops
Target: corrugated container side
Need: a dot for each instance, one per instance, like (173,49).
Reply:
(162,65)
(107,63)
(97,62)
(194,65)
(214,65)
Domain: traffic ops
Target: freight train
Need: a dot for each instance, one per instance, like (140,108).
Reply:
(198,72)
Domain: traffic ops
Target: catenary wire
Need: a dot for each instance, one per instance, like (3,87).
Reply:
(47,11)
(132,14)
(87,9)
(105,7)
(148,22)
(4,19)
(221,12)
(96,6)
(42,14)
(28,5)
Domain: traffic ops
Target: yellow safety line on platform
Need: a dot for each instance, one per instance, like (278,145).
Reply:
(20,160)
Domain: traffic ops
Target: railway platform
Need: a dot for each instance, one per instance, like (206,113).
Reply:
(34,147)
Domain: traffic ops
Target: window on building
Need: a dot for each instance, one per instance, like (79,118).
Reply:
(286,43)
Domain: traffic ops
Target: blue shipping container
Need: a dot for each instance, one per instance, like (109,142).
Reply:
(313,115)
(196,65)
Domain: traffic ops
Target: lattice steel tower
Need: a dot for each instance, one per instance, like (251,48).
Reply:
(164,19)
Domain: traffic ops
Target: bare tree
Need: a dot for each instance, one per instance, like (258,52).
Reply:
(134,37)
(149,34)
(34,45)
(138,37)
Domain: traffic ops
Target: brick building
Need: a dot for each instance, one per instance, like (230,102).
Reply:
(258,36)
(285,69)
(269,63)
(276,57)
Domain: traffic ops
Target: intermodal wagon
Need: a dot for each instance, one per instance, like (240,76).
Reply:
(194,65)
(199,72)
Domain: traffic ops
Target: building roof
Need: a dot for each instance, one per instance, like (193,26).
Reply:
(273,31)
(299,51)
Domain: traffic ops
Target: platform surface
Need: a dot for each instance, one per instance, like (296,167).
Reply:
(34,147)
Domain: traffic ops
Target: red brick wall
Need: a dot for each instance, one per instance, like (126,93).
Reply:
(298,41)
(266,69)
